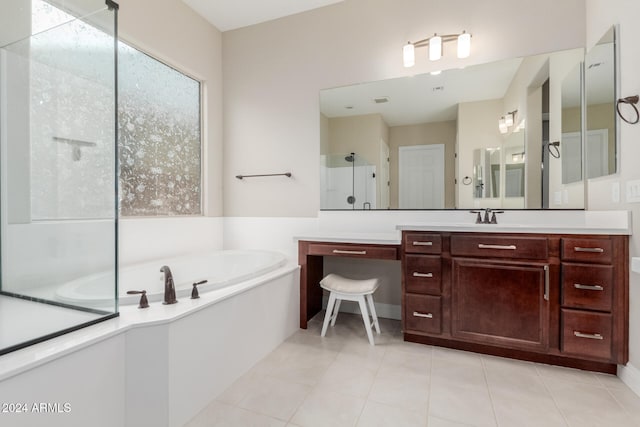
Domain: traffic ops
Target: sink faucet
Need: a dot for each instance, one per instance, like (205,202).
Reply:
(169,287)
(487,219)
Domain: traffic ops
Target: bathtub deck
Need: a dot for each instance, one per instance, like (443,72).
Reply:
(23,320)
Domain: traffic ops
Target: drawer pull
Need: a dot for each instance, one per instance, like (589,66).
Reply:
(501,247)
(422,243)
(592,250)
(427,316)
(339,251)
(546,282)
(588,287)
(416,274)
(589,336)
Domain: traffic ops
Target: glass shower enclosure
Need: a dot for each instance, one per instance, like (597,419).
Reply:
(58,170)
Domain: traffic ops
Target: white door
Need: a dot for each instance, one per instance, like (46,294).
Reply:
(597,153)
(421,180)
(571,156)
(383,179)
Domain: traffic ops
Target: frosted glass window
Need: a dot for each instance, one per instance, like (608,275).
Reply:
(159,133)
(159,137)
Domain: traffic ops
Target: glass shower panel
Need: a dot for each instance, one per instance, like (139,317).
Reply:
(58,173)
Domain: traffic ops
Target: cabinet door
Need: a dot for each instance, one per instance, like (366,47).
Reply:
(501,303)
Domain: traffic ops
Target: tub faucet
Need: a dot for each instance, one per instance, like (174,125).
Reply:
(169,287)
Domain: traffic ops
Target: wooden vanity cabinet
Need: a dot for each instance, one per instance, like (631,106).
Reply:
(557,299)
(594,313)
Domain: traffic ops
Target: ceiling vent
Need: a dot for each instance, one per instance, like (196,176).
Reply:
(381,100)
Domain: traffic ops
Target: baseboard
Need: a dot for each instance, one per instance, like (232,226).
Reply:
(386,311)
(630,375)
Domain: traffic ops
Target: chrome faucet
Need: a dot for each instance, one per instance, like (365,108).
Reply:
(169,287)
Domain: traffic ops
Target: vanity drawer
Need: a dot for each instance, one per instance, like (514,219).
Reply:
(587,286)
(587,250)
(423,274)
(423,314)
(499,246)
(355,251)
(422,243)
(586,333)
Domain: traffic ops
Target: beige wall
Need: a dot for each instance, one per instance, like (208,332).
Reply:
(273,73)
(356,134)
(172,32)
(424,134)
(601,15)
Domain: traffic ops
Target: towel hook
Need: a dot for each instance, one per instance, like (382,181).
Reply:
(630,100)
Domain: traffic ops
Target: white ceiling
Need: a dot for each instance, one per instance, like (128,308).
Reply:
(228,15)
(423,98)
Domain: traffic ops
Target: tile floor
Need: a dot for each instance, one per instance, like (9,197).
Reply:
(341,380)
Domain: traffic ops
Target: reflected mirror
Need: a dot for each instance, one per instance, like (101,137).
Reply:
(600,97)
(420,139)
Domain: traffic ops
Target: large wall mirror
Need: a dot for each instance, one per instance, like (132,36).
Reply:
(489,135)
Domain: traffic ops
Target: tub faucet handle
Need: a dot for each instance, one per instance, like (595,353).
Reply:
(194,291)
(144,303)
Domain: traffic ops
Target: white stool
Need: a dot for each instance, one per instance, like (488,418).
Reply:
(341,288)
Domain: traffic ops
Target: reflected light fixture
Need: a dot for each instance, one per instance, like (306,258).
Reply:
(506,121)
(502,125)
(434,44)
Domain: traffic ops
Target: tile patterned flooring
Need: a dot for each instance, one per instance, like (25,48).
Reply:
(341,380)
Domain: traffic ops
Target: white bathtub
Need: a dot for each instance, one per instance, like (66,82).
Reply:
(220,269)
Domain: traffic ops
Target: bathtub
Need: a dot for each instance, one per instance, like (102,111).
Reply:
(220,269)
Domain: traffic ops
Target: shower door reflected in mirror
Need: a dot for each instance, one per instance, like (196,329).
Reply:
(347,181)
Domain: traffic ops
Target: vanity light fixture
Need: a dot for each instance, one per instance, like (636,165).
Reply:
(507,121)
(435,47)
(518,157)
(502,125)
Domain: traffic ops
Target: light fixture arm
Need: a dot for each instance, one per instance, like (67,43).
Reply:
(446,38)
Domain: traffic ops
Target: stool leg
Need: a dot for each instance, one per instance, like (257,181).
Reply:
(373,312)
(327,314)
(365,318)
(336,310)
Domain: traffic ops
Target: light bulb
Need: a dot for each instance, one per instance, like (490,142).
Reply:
(409,55)
(464,45)
(435,48)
